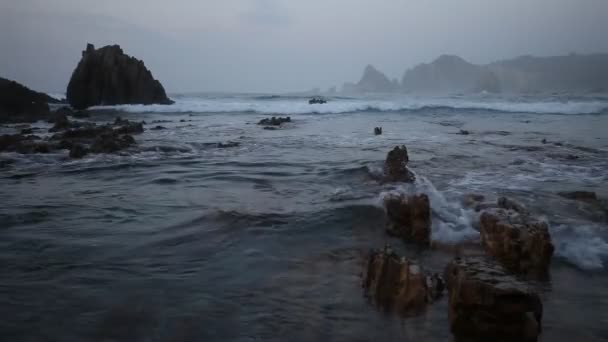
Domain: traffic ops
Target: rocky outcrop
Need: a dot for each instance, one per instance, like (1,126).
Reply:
(377,130)
(395,166)
(20,104)
(107,76)
(514,237)
(24,144)
(587,196)
(398,284)
(409,217)
(487,304)
(274,121)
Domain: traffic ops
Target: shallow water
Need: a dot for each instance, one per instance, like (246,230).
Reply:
(178,240)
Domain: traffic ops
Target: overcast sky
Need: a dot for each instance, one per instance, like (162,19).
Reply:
(286,45)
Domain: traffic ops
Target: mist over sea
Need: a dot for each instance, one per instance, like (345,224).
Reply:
(182,239)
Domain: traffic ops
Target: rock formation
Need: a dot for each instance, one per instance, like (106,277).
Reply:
(409,217)
(579,195)
(398,284)
(20,104)
(378,130)
(515,238)
(487,304)
(107,76)
(274,121)
(395,166)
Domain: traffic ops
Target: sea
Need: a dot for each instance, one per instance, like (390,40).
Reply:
(181,238)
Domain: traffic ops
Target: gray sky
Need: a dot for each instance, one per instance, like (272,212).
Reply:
(286,45)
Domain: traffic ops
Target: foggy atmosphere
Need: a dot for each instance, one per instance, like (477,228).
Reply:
(274,170)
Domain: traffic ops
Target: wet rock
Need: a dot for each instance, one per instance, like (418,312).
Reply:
(274,121)
(160,121)
(472,200)
(128,127)
(158,128)
(23,144)
(64,111)
(61,122)
(399,284)
(409,217)
(26,131)
(228,144)
(519,241)
(464,132)
(487,304)
(107,76)
(395,166)
(270,128)
(78,151)
(110,143)
(378,130)
(579,195)
(81,114)
(21,104)
(317,100)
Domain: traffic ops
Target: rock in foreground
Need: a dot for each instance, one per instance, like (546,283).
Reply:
(395,166)
(579,195)
(409,217)
(518,240)
(398,284)
(274,121)
(107,76)
(487,304)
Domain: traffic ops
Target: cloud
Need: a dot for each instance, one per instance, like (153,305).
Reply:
(266,13)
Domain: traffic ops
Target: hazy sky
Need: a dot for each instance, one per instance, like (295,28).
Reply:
(286,45)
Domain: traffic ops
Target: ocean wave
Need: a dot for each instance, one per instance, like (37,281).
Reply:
(580,245)
(273,104)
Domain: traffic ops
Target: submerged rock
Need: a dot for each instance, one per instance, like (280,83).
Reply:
(579,195)
(158,128)
(487,304)
(274,121)
(78,151)
(514,237)
(464,132)
(409,217)
(378,130)
(107,76)
(21,104)
(398,284)
(228,144)
(23,144)
(317,100)
(395,166)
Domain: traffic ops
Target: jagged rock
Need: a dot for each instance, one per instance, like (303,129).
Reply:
(78,151)
(398,284)
(107,76)
(110,143)
(27,131)
(487,304)
(395,166)
(20,104)
(378,130)
(409,217)
(61,122)
(158,128)
(81,114)
(579,195)
(515,238)
(274,121)
(464,132)
(317,100)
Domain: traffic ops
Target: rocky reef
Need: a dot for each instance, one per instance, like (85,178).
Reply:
(107,76)
(395,166)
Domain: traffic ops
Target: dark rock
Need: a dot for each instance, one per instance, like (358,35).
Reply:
(464,132)
(20,104)
(64,111)
(158,128)
(544,141)
(472,200)
(317,100)
(518,240)
(579,195)
(107,76)
(78,151)
(110,143)
(378,130)
(81,114)
(160,121)
(228,144)
(274,121)
(61,122)
(128,127)
(22,144)
(398,284)
(409,217)
(487,304)
(270,128)
(26,131)
(395,166)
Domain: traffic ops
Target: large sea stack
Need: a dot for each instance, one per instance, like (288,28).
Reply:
(107,76)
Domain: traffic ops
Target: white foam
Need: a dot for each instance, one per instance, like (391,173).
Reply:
(580,245)
(291,105)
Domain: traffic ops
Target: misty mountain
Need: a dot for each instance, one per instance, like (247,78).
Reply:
(526,74)
(372,81)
